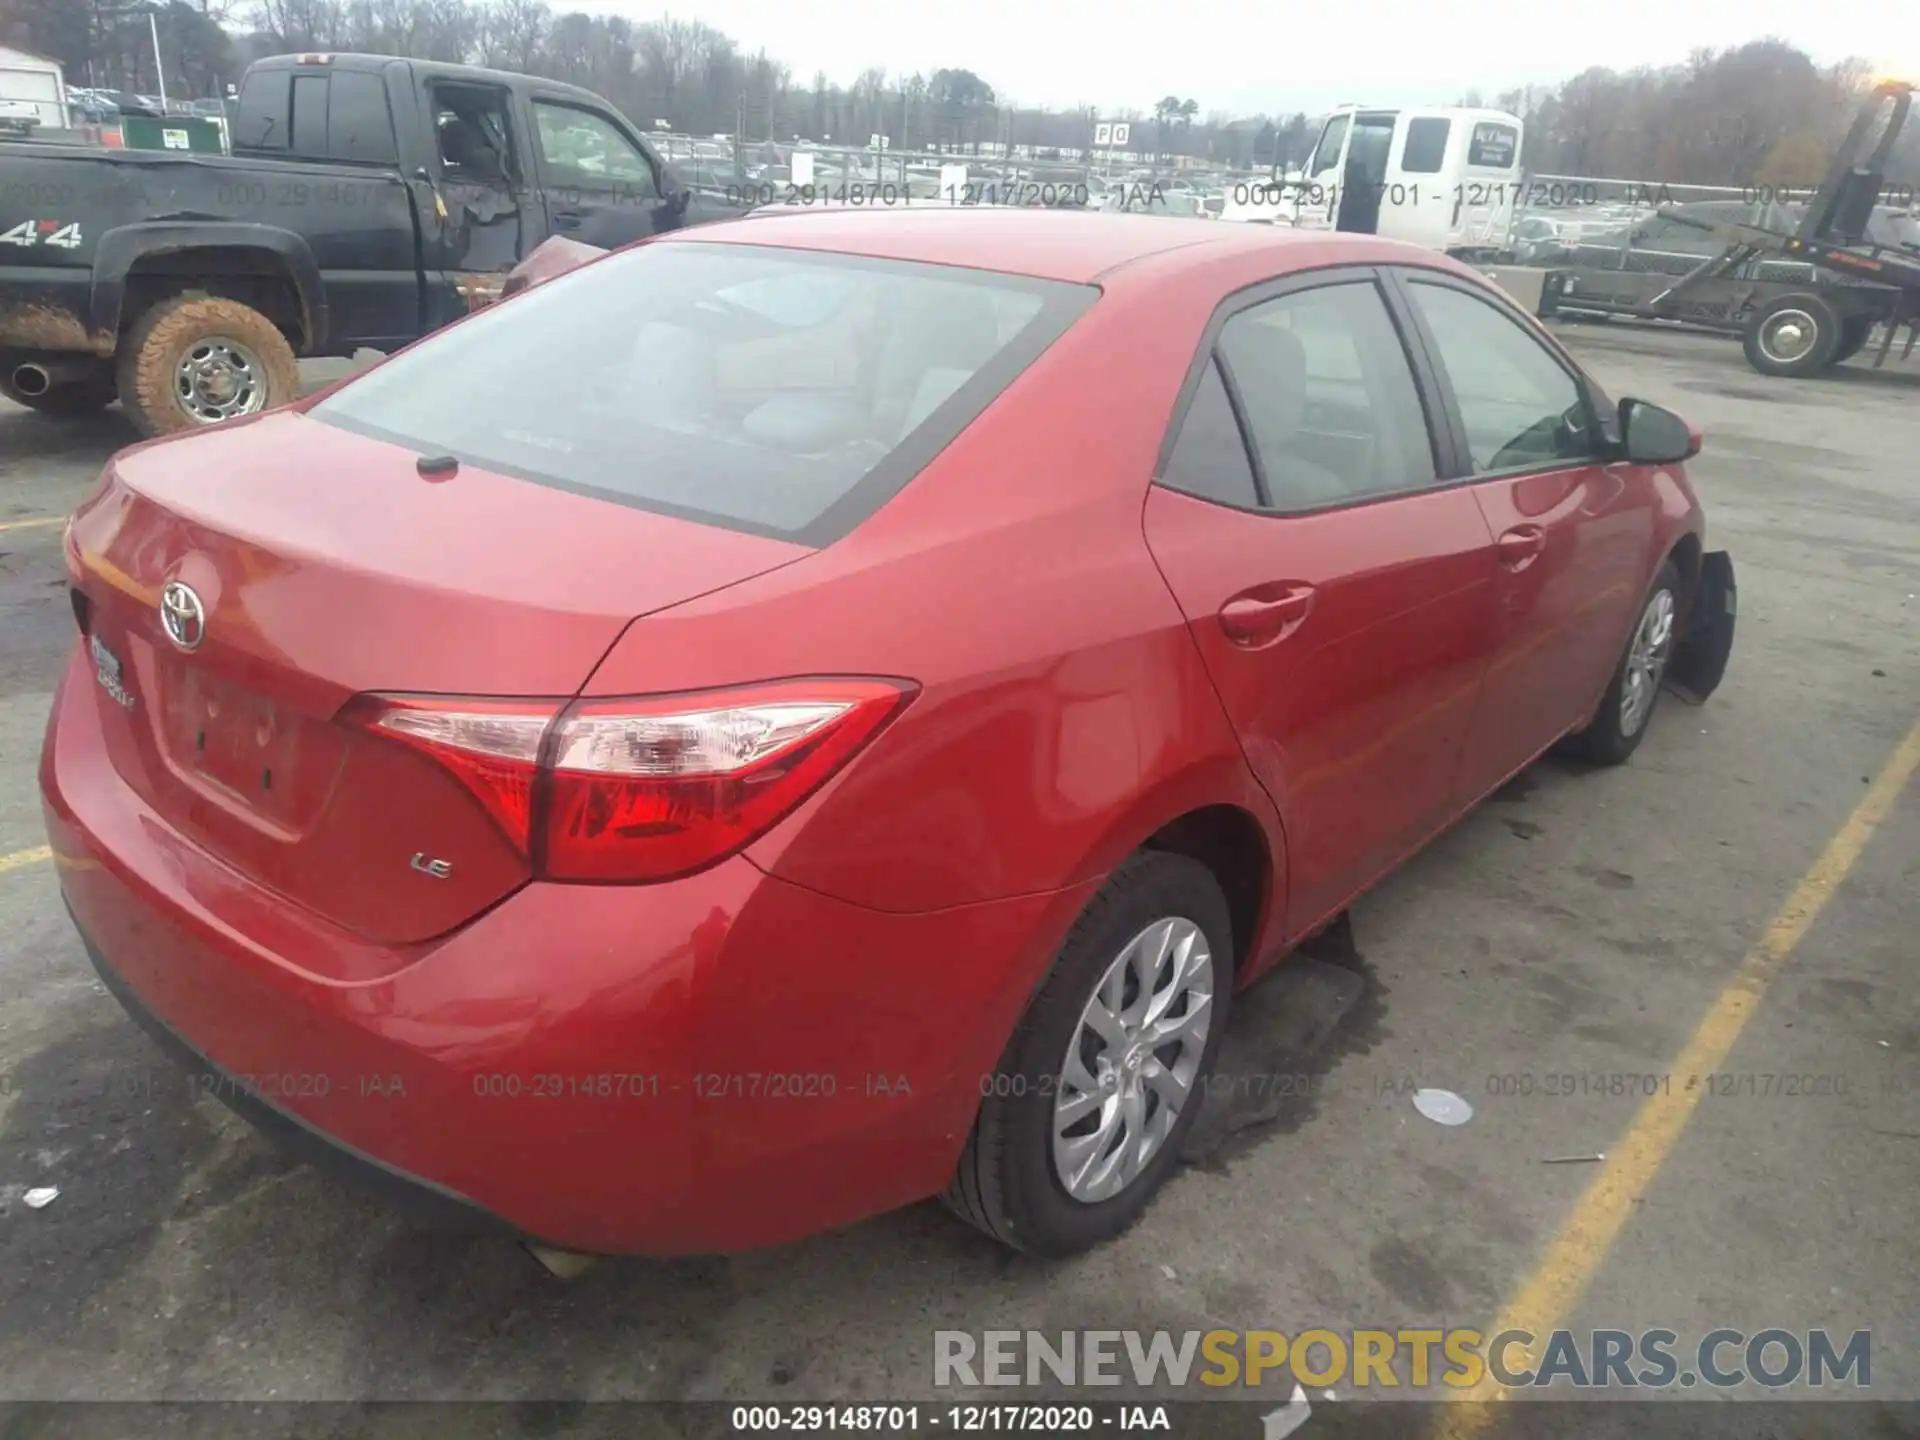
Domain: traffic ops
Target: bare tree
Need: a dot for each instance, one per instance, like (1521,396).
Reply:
(512,34)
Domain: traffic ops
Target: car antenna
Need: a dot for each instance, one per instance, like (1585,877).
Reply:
(437,464)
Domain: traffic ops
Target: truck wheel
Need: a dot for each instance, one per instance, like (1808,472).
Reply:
(197,360)
(1854,331)
(1794,335)
(75,397)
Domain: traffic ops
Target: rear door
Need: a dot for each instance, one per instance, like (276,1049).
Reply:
(1415,206)
(600,186)
(1572,526)
(1337,586)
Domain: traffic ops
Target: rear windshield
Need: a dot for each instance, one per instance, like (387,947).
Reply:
(776,391)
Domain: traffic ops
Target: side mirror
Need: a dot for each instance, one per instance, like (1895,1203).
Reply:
(674,189)
(1653,435)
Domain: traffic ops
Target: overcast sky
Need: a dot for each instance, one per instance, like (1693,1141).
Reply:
(1235,55)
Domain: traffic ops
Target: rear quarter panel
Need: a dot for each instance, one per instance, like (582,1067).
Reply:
(1063,715)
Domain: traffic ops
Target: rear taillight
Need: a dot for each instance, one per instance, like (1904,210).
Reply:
(641,789)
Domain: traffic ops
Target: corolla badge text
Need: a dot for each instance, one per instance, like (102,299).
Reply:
(106,668)
(438,869)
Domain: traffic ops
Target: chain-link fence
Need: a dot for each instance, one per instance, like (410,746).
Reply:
(768,172)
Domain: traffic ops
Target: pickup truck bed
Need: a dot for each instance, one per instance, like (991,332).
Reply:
(327,251)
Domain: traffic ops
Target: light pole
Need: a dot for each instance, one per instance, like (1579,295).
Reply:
(159,75)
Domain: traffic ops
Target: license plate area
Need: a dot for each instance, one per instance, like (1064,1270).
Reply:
(234,741)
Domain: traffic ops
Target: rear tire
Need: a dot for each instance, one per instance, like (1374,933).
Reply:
(1854,332)
(158,357)
(1627,709)
(1011,1180)
(1793,336)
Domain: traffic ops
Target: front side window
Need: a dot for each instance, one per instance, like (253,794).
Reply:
(1326,155)
(777,391)
(582,149)
(1521,409)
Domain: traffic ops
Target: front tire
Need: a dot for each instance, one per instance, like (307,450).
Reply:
(195,360)
(1085,1116)
(1627,708)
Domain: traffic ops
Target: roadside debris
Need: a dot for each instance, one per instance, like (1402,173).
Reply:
(1573,1159)
(41,1196)
(1278,1424)
(1443,1107)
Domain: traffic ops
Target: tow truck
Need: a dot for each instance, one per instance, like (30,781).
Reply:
(1794,327)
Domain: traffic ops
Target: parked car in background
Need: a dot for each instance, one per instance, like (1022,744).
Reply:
(18,117)
(740,743)
(367,201)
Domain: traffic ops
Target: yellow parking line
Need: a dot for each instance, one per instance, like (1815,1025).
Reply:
(25,857)
(1557,1283)
(34,524)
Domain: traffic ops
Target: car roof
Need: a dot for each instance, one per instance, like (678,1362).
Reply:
(1049,244)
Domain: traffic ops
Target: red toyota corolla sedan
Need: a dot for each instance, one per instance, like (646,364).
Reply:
(817,712)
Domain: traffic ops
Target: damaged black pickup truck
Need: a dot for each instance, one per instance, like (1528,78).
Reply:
(368,200)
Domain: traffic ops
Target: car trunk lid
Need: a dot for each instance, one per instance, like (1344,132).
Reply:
(304,565)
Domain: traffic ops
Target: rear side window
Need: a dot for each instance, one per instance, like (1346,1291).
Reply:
(1324,382)
(1209,458)
(358,125)
(781,392)
(1426,147)
(1494,145)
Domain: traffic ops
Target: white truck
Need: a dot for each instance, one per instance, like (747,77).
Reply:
(1447,179)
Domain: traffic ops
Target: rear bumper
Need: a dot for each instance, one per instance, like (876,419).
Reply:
(715,1064)
(422,1199)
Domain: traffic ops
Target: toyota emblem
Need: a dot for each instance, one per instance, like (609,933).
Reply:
(184,617)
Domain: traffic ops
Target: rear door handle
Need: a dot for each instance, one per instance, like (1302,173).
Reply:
(567,220)
(1266,613)
(1518,547)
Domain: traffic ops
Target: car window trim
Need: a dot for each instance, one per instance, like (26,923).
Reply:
(1242,423)
(1401,278)
(1438,423)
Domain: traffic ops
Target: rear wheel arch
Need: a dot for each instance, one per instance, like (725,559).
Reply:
(1214,811)
(269,270)
(1231,843)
